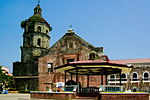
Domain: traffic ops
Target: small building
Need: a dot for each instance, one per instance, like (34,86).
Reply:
(139,77)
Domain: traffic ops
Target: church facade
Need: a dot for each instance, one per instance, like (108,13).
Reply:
(36,71)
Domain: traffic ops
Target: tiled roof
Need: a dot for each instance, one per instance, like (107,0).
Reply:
(88,61)
(95,61)
(130,61)
(119,61)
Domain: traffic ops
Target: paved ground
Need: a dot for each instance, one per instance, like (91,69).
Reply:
(17,96)
(14,96)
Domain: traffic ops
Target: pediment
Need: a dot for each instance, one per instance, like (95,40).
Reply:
(71,41)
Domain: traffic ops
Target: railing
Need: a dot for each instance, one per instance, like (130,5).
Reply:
(146,79)
(89,91)
(134,79)
(71,88)
(111,88)
(117,79)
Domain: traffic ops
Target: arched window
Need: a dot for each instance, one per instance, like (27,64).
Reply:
(28,41)
(92,56)
(39,42)
(134,76)
(146,76)
(112,77)
(46,31)
(123,76)
(30,28)
(39,29)
(70,45)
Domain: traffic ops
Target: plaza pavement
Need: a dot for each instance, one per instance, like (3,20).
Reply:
(17,96)
(14,96)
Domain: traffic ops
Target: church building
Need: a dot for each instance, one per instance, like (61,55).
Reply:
(36,71)
(38,60)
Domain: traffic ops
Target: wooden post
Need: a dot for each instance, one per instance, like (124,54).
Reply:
(120,77)
(87,80)
(71,76)
(101,79)
(76,75)
(106,80)
(65,77)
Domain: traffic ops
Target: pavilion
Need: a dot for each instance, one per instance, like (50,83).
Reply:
(97,67)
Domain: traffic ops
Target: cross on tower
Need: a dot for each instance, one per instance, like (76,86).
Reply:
(70,26)
(38,1)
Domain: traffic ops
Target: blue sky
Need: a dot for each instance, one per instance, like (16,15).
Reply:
(120,26)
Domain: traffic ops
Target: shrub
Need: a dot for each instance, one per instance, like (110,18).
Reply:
(12,89)
(24,91)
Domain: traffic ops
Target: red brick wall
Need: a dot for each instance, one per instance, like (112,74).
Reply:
(124,96)
(57,96)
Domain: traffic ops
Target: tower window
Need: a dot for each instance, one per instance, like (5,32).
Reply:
(39,42)
(39,29)
(47,31)
(28,41)
(30,28)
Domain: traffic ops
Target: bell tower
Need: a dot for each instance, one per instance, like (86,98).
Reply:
(35,37)
(35,44)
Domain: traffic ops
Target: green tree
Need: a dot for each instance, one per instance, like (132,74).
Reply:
(5,79)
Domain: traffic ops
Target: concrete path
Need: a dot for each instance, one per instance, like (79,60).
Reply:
(15,96)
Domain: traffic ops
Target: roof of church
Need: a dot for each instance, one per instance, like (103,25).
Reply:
(130,61)
(121,61)
(83,42)
(95,62)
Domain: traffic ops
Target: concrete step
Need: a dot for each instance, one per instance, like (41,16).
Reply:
(85,98)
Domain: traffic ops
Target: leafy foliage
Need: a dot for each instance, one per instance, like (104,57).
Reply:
(35,18)
(5,79)
(23,23)
(24,91)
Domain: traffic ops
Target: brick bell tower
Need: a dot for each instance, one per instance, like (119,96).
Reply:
(35,44)
(35,37)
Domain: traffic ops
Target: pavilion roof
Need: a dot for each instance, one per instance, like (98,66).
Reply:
(90,67)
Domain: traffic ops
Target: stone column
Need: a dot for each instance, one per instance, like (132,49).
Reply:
(128,86)
(140,81)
